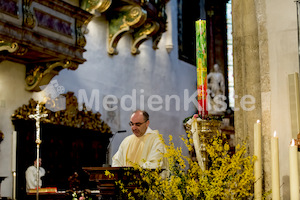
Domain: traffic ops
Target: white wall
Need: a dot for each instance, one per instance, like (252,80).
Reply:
(152,72)
(12,96)
(283,59)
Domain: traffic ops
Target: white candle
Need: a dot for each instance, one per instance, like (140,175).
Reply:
(14,151)
(258,161)
(275,168)
(294,175)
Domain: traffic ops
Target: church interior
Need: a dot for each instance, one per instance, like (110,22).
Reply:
(73,71)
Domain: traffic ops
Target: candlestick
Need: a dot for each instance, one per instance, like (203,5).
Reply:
(258,161)
(201,57)
(275,168)
(294,175)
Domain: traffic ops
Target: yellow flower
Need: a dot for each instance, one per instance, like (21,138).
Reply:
(228,177)
(107,173)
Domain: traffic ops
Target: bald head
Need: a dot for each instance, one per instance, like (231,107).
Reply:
(139,122)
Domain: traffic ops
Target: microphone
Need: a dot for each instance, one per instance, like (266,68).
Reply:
(121,131)
(107,149)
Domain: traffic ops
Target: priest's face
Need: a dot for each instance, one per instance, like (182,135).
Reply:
(40,162)
(138,124)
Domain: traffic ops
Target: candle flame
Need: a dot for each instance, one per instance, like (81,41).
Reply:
(258,121)
(274,133)
(293,142)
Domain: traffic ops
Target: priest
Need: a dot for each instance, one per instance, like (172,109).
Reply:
(143,147)
(31,174)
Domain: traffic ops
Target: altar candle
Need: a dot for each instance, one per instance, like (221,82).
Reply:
(201,58)
(258,161)
(14,151)
(294,175)
(275,168)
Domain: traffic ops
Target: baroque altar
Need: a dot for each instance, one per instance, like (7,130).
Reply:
(70,140)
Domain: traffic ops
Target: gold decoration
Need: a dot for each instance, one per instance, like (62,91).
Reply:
(136,17)
(95,5)
(8,46)
(142,19)
(29,20)
(127,18)
(42,35)
(39,75)
(142,34)
(70,116)
(202,132)
(103,5)
(80,39)
(13,47)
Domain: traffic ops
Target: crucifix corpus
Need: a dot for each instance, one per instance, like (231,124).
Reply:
(38,141)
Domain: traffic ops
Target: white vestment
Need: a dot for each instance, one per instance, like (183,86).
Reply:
(147,151)
(30,175)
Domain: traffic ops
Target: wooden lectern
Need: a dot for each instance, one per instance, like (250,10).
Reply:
(107,185)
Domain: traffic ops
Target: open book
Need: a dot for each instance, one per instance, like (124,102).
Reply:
(44,190)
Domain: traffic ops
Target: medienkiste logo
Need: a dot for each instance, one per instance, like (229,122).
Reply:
(55,101)
(138,100)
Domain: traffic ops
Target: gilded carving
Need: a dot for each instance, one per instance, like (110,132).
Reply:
(126,18)
(45,33)
(8,46)
(21,50)
(155,40)
(142,19)
(28,20)
(103,5)
(12,47)
(69,116)
(80,39)
(38,75)
(95,5)
(134,18)
(149,28)
(142,34)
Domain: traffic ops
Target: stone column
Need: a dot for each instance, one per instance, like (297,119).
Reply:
(251,76)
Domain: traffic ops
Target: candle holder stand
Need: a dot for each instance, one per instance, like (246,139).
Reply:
(203,131)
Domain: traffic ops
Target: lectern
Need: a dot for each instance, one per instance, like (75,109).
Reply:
(107,185)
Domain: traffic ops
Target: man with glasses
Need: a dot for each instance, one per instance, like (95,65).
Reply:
(143,147)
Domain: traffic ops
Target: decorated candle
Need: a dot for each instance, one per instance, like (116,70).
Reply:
(275,168)
(258,161)
(201,58)
(294,175)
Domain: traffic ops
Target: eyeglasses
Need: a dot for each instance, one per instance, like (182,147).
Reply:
(137,124)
